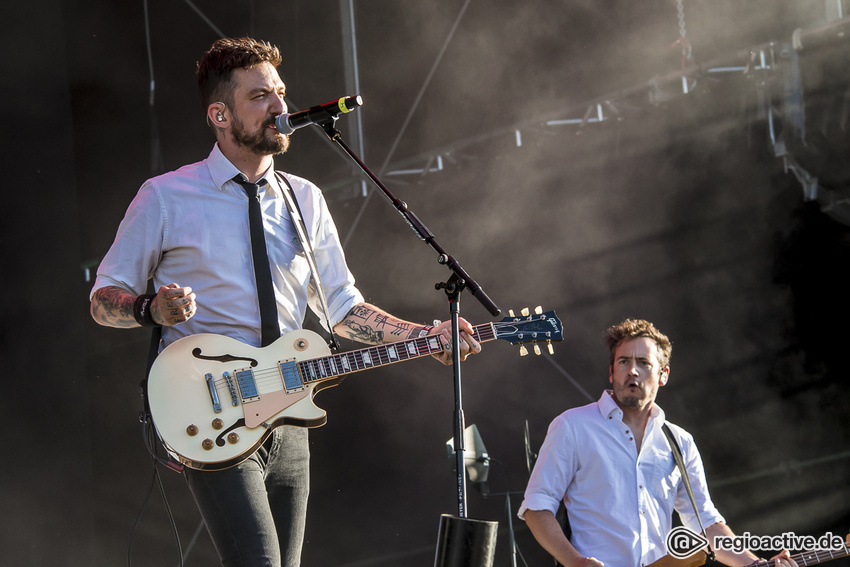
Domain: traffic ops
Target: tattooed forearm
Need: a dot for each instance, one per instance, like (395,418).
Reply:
(369,324)
(395,327)
(113,307)
(360,333)
(366,323)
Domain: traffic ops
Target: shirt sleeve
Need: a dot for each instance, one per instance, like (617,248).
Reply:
(553,471)
(337,279)
(137,247)
(696,473)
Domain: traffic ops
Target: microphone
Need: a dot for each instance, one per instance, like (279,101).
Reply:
(288,123)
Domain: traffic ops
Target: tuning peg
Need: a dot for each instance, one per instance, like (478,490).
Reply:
(551,348)
(511,312)
(536,349)
(538,310)
(524,311)
(522,350)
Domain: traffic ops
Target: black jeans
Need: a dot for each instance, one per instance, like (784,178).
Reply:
(255,511)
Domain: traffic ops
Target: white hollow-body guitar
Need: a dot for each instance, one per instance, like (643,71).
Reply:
(214,400)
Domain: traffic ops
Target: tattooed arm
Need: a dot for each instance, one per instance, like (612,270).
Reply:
(112,306)
(368,324)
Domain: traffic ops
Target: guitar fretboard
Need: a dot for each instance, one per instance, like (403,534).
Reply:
(335,365)
(814,557)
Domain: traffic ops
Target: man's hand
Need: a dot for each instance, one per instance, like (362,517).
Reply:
(783,559)
(173,305)
(468,345)
(745,557)
(112,306)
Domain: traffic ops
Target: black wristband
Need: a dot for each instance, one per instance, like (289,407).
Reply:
(142,310)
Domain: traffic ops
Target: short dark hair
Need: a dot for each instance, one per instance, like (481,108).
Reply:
(638,328)
(216,68)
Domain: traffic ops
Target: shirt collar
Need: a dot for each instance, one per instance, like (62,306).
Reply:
(608,407)
(223,171)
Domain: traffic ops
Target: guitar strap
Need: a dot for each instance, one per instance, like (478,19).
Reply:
(153,351)
(677,456)
(301,229)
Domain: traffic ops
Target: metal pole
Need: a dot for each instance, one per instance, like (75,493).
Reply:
(352,75)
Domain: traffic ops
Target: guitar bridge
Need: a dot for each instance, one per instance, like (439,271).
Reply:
(216,403)
(234,399)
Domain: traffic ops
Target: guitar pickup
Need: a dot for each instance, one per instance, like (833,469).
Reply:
(247,385)
(290,375)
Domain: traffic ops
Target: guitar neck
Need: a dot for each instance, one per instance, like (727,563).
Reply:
(337,365)
(814,557)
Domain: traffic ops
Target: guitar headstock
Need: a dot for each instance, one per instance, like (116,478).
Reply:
(534,328)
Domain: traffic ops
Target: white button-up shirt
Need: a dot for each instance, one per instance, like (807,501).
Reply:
(619,502)
(190,227)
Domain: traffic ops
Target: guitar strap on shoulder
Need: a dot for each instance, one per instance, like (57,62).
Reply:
(680,463)
(303,235)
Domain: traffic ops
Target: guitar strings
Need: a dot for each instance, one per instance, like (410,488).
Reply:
(378,355)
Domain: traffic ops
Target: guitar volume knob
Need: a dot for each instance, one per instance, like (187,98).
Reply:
(233,438)
(207,444)
(192,430)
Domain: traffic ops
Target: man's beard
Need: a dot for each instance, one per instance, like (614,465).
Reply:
(642,397)
(632,400)
(260,142)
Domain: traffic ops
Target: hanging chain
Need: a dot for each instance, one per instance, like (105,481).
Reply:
(683,42)
(680,10)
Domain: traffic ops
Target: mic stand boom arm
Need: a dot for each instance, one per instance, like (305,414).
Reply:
(459,280)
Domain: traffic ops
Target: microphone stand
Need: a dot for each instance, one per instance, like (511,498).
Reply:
(453,287)
(509,512)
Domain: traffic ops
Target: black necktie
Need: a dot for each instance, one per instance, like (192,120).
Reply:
(262,272)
